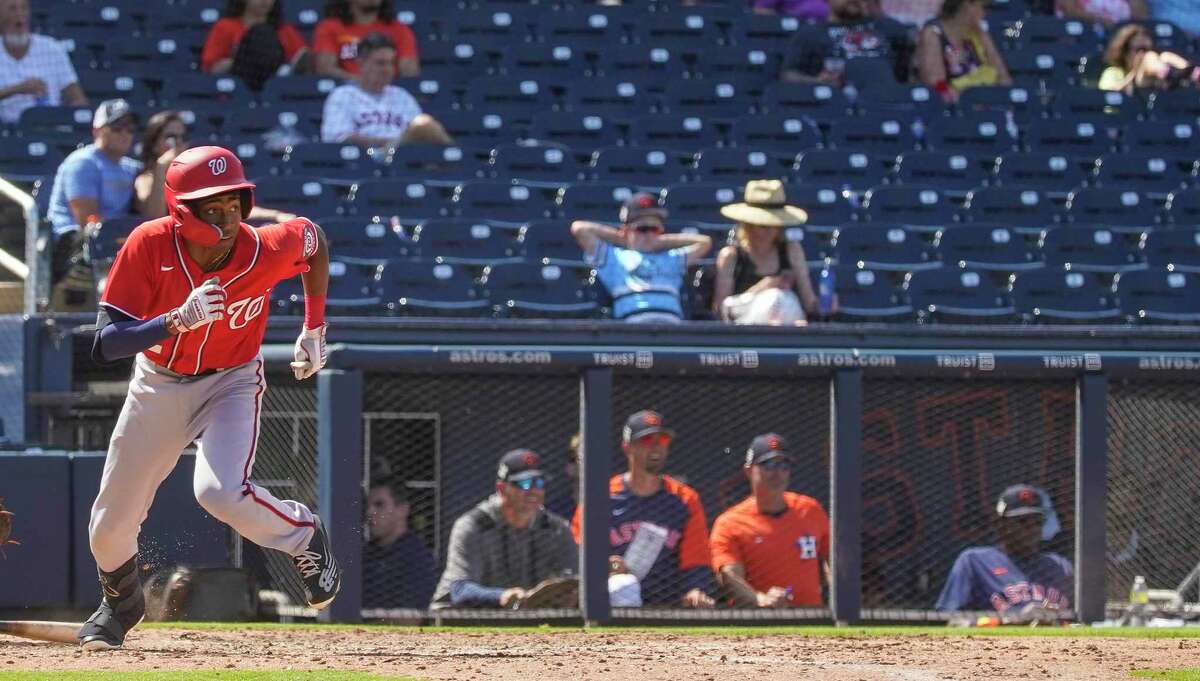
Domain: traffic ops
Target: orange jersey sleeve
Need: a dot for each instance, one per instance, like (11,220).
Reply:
(693,547)
(726,550)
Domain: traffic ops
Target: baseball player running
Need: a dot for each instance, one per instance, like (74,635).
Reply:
(188,294)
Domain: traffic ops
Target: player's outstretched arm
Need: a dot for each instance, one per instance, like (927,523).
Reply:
(310,354)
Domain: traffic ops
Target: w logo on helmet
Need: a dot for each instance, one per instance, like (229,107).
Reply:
(217,165)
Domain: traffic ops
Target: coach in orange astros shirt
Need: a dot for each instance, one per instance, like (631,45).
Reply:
(657,525)
(770,549)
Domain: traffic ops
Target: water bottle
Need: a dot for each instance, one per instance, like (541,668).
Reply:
(825,290)
(1139,597)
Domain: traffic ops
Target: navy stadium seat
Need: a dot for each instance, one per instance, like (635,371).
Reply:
(1181,104)
(351,290)
(651,66)
(1075,137)
(592,28)
(608,97)
(865,73)
(705,98)
(954,173)
(1176,139)
(811,99)
(736,165)
(549,242)
(410,201)
(881,247)
(765,29)
(490,93)
(577,129)
(980,134)
(503,202)
(151,60)
(1159,296)
(424,288)
(304,14)
(827,207)
(456,59)
(534,165)
(476,127)
(1183,207)
(307,196)
(865,295)
(1152,175)
(298,91)
(104,243)
(700,201)
(534,290)
(332,162)
(953,294)
(1032,67)
(462,241)
(839,168)
(433,95)
(24,159)
(1121,209)
(788,133)
(1073,103)
(193,89)
(108,16)
(1087,249)
(685,27)
(548,62)
(1054,295)
(67,119)
(101,85)
(920,207)
(893,99)
(985,247)
(366,240)
(257,123)
(1175,248)
(1052,174)
(597,201)
(673,131)
(640,166)
(751,68)
(1025,104)
(873,134)
(1028,211)
(500,26)
(434,164)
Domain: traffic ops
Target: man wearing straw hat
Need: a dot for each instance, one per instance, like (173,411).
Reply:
(763,279)
(642,268)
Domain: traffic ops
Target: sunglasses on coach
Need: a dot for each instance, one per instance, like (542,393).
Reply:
(777,464)
(528,484)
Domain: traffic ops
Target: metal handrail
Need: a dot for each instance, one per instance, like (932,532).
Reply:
(30,270)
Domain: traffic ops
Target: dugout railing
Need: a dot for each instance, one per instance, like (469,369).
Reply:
(905,434)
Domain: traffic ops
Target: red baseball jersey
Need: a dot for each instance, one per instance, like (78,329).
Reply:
(153,274)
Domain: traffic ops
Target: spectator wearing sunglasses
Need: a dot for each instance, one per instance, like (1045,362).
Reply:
(770,550)
(641,267)
(657,529)
(508,543)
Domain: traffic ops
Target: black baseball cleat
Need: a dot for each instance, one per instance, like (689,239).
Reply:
(319,569)
(122,609)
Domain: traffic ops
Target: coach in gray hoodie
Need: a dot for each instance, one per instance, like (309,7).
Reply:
(508,543)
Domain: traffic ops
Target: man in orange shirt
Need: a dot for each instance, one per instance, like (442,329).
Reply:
(770,549)
(335,40)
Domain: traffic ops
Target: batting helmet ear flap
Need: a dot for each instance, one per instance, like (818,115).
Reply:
(194,229)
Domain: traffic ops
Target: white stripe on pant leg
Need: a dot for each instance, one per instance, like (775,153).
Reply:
(232,424)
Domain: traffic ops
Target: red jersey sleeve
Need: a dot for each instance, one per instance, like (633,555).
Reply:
(289,245)
(406,41)
(131,277)
(220,43)
(724,544)
(291,39)
(325,37)
(693,547)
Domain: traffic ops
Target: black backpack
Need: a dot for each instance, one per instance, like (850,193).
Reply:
(258,57)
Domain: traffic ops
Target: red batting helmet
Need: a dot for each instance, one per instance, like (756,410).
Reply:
(199,173)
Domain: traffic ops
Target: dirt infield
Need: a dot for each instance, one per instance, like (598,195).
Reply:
(604,655)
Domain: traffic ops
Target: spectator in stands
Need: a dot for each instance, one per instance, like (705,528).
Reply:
(398,570)
(954,52)
(372,112)
(764,278)
(165,137)
(1015,572)
(770,550)
(911,12)
(1182,13)
(346,22)
(508,543)
(642,268)
(1132,63)
(657,530)
(95,182)
(1107,13)
(805,10)
(819,53)
(252,41)
(563,494)
(34,68)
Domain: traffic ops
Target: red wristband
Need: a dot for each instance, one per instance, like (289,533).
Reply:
(941,86)
(314,311)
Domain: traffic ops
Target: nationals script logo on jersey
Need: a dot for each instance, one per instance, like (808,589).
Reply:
(153,273)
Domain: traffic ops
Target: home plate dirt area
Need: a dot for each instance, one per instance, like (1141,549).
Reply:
(575,655)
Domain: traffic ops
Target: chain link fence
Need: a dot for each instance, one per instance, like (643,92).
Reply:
(1153,500)
(936,456)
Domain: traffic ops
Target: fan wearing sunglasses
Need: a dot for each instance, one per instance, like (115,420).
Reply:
(771,549)
(508,543)
(642,267)
(657,529)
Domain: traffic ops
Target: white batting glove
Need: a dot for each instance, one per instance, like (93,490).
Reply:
(310,352)
(204,305)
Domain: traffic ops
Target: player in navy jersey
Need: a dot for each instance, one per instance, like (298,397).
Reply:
(1015,572)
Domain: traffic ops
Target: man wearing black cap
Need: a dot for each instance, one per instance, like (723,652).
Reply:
(1015,573)
(642,268)
(770,550)
(657,529)
(508,543)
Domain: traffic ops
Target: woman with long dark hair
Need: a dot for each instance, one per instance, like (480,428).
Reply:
(241,16)
(163,138)
(954,52)
(346,22)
